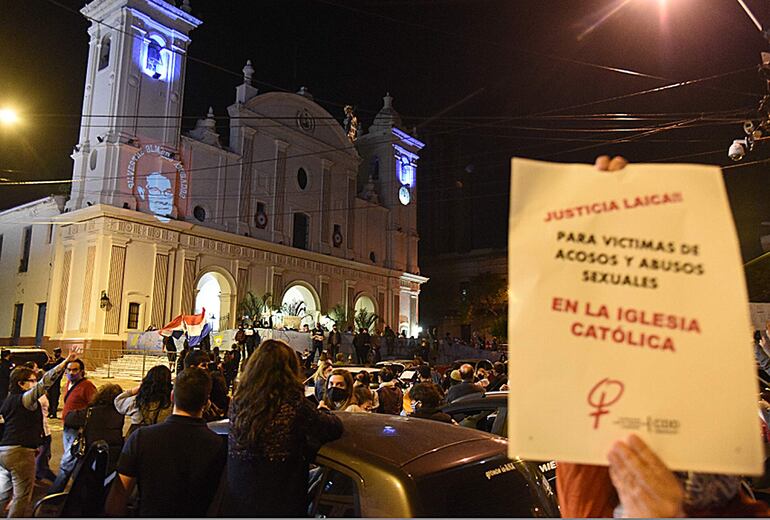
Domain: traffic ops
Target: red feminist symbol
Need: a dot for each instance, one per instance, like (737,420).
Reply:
(598,397)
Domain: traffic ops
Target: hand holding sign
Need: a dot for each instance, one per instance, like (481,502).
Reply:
(645,486)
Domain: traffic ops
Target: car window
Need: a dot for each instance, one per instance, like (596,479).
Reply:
(336,494)
(480,419)
(492,488)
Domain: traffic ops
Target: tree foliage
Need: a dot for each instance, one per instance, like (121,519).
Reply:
(339,315)
(254,306)
(366,320)
(485,305)
(295,308)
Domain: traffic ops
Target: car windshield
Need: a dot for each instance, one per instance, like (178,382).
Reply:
(495,487)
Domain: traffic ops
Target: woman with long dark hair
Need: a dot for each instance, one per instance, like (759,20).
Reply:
(148,403)
(274,433)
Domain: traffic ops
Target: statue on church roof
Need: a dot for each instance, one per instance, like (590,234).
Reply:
(248,72)
(205,130)
(370,191)
(350,123)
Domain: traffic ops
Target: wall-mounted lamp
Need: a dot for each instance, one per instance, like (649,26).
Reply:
(104,301)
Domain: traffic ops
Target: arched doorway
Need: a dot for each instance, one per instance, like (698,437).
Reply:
(299,306)
(365,303)
(214,293)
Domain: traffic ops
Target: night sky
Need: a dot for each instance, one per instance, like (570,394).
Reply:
(512,73)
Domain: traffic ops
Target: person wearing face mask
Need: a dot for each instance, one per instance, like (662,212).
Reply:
(80,392)
(339,392)
(22,435)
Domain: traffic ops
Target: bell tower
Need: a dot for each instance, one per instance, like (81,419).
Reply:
(128,148)
(389,161)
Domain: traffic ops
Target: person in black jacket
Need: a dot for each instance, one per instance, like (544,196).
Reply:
(500,377)
(362,344)
(252,341)
(101,422)
(22,434)
(5,373)
(335,340)
(54,393)
(467,386)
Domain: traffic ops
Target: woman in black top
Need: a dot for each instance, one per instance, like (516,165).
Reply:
(22,434)
(274,434)
(101,422)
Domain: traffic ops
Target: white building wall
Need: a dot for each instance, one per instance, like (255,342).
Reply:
(28,288)
(192,251)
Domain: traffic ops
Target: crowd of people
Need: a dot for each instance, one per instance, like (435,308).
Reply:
(264,398)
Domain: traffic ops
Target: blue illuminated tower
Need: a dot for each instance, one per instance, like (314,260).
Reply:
(133,97)
(389,161)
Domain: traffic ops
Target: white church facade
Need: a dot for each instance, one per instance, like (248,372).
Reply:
(159,223)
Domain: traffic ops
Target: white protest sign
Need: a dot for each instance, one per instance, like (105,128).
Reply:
(628,313)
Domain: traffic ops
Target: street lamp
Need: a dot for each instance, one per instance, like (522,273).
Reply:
(8,116)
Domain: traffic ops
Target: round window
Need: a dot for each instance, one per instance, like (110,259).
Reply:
(302,178)
(199,213)
(260,219)
(92,160)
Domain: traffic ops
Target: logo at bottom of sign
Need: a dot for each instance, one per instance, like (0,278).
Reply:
(650,424)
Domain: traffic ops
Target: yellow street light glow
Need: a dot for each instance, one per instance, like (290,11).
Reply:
(8,116)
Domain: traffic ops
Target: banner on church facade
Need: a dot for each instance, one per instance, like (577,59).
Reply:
(628,313)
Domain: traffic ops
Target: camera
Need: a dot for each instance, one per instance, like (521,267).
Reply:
(738,149)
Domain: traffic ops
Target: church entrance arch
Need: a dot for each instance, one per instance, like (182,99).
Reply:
(365,302)
(299,306)
(214,291)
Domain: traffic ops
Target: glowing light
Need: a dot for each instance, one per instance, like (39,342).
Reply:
(8,116)
(156,58)
(663,12)
(609,14)
(750,15)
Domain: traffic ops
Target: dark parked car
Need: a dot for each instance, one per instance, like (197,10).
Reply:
(392,466)
(489,412)
(19,355)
